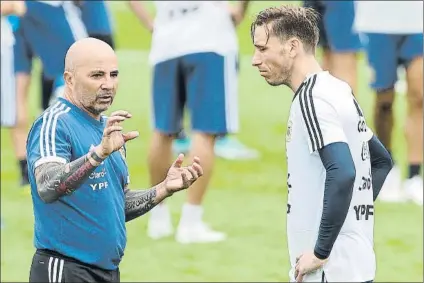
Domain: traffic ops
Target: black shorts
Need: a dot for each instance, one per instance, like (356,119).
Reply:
(48,266)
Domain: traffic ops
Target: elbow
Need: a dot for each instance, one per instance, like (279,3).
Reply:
(390,163)
(347,177)
(46,196)
(351,174)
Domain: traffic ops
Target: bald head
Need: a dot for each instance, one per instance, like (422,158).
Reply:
(91,75)
(87,51)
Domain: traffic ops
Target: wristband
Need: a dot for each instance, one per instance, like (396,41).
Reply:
(96,157)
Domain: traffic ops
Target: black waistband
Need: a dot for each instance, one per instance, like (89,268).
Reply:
(51,253)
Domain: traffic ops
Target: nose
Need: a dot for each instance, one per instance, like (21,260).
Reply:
(108,83)
(255,60)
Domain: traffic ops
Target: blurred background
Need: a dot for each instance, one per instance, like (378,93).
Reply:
(247,195)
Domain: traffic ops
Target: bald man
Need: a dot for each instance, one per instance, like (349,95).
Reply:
(79,177)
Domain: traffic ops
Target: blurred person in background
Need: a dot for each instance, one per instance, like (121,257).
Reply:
(194,55)
(97,20)
(226,146)
(8,83)
(339,42)
(46,30)
(394,31)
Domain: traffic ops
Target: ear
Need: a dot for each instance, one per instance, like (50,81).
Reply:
(294,46)
(69,79)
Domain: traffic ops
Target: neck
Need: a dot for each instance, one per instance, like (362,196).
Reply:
(306,66)
(68,96)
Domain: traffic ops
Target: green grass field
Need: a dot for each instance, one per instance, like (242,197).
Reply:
(246,199)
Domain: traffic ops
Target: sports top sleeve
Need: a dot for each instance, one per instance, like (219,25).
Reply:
(320,121)
(48,141)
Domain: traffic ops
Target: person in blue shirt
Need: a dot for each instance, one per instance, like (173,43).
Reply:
(79,175)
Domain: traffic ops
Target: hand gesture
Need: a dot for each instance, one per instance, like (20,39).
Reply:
(113,138)
(180,178)
(307,263)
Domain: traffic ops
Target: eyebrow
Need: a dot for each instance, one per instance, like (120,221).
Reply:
(96,71)
(114,72)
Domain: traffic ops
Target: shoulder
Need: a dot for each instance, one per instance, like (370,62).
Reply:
(324,91)
(321,95)
(330,88)
(53,119)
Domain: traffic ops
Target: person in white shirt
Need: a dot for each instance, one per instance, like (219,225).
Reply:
(194,56)
(394,30)
(336,166)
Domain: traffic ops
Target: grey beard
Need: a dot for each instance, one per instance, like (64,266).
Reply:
(95,111)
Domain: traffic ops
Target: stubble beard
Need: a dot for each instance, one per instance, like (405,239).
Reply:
(283,79)
(97,111)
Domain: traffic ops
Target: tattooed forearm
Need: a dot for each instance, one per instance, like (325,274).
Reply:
(55,179)
(139,202)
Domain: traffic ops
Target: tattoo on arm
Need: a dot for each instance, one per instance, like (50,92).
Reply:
(55,179)
(139,202)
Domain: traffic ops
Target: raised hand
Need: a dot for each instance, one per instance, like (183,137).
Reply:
(180,178)
(113,138)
